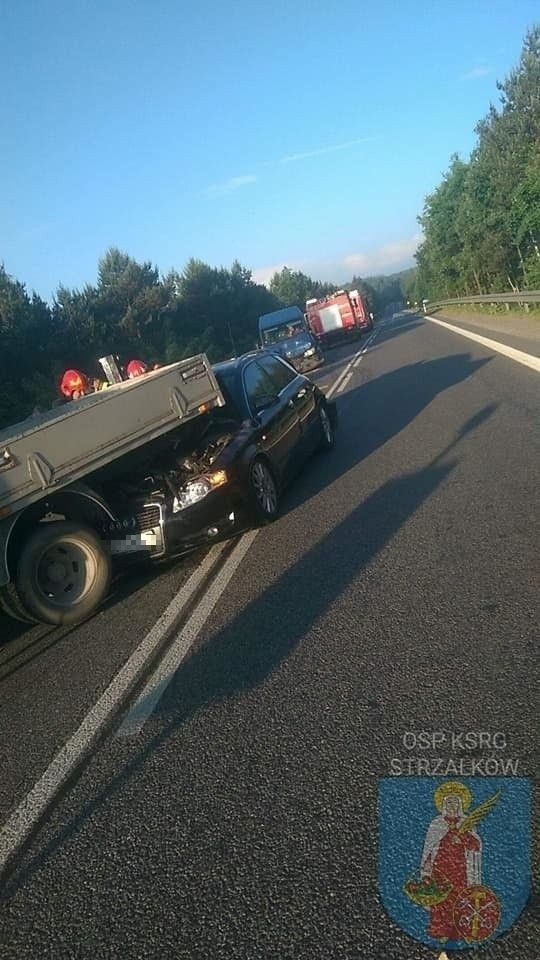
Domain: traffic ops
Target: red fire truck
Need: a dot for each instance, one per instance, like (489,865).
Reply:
(343,314)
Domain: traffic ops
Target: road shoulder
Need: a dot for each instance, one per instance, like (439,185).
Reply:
(521,333)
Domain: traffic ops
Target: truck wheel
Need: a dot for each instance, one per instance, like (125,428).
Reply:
(64,573)
(263,492)
(327,431)
(11,604)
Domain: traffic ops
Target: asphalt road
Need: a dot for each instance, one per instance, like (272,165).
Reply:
(397,592)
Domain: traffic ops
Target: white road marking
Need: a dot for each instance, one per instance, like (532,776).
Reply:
(527,359)
(27,815)
(367,343)
(166,669)
(346,373)
(337,384)
(345,382)
(22,821)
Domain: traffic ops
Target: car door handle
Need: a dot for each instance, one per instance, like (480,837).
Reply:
(301,393)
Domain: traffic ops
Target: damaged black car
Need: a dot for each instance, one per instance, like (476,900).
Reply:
(228,468)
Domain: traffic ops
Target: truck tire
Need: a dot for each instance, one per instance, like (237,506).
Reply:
(63,574)
(263,495)
(10,603)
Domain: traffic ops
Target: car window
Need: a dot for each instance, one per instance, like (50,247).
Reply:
(280,373)
(228,381)
(258,384)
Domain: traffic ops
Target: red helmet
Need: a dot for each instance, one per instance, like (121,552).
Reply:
(72,382)
(136,368)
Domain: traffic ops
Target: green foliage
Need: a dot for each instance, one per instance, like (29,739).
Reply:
(482,223)
(132,312)
(293,288)
(389,292)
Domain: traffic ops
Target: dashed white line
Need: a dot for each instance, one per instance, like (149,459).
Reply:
(166,669)
(345,382)
(527,359)
(335,388)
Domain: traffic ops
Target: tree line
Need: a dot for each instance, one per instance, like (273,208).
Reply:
(482,224)
(134,312)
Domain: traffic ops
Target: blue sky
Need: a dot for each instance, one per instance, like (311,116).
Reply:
(304,133)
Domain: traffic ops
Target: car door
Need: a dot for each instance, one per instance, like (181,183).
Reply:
(280,435)
(300,393)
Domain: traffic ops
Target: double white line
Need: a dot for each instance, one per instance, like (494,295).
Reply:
(342,381)
(31,811)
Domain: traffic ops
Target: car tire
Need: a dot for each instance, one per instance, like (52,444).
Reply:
(327,439)
(263,495)
(63,574)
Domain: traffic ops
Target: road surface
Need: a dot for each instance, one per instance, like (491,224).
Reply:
(397,592)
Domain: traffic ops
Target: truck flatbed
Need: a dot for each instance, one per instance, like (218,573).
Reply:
(48,451)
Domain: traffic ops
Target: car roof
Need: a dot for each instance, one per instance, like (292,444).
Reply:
(236,363)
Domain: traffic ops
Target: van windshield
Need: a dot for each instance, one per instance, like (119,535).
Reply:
(283,332)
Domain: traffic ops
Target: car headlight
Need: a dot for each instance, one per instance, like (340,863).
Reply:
(309,352)
(197,489)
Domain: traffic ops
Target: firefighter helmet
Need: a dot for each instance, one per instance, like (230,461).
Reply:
(136,368)
(73,382)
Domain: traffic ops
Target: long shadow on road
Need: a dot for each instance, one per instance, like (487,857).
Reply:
(378,410)
(249,649)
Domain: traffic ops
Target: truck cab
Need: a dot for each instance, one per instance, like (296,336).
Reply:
(285,333)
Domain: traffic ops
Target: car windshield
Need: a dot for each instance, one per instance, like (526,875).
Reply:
(283,332)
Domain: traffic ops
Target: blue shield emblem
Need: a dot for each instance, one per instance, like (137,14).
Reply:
(454,856)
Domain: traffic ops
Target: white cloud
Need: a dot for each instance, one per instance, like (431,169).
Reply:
(391,256)
(475,73)
(333,148)
(265,274)
(228,186)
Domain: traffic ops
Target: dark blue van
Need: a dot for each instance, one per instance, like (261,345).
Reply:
(286,333)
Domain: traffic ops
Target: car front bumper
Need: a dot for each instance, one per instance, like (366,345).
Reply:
(212,518)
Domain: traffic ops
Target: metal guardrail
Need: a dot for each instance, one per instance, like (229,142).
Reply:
(528,296)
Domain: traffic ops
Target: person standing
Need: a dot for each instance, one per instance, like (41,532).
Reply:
(450,856)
